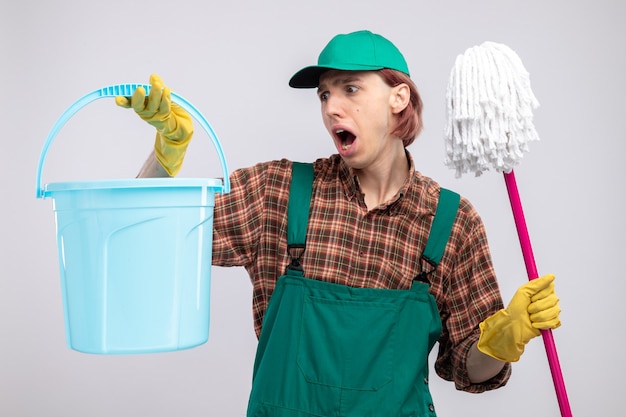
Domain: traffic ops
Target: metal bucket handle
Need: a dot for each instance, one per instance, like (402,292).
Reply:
(128,90)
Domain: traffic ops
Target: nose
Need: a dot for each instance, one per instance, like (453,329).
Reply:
(333,106)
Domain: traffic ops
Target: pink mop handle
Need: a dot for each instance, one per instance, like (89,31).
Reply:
(531,269)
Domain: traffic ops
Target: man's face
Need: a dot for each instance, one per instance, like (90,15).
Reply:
(357,112)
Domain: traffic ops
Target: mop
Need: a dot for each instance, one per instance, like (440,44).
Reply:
(489,124)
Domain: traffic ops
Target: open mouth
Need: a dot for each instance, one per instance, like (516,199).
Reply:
(345,138)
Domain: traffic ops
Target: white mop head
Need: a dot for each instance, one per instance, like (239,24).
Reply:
(489,110)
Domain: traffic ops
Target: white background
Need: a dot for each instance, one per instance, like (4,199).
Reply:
(233,59)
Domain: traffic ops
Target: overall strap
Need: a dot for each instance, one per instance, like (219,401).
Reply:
(298,218)
(298,212)
(442,226)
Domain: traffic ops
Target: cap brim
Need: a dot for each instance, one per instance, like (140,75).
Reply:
(308,77)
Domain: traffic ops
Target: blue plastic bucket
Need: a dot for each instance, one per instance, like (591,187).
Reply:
(134,255)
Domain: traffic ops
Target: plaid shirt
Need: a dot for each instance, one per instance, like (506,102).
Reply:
(351,245)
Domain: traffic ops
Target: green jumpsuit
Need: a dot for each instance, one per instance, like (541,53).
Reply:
(332,350)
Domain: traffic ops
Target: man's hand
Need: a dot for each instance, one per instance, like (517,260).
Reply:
(534,307)
(173,124)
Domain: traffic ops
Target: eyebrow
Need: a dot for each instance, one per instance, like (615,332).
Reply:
(340,81)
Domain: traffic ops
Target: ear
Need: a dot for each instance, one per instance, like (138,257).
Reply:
(399,98)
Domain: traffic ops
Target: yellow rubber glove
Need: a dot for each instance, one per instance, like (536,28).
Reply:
(534,307)
(173,124)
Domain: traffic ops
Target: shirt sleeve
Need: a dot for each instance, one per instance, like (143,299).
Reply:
(470,295)
(237,218)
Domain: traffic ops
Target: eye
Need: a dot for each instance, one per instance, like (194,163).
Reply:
(352,88)
(323,96)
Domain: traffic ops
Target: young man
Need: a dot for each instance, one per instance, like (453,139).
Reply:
(349,334)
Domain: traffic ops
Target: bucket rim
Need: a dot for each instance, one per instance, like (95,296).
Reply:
(134,183)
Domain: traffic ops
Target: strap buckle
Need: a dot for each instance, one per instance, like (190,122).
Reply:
(295,252)
(423,276)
